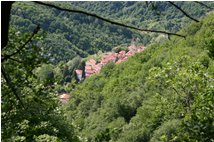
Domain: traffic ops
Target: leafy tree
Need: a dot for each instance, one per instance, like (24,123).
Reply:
(162,94)
(45,74)
(65,30)
(30,110)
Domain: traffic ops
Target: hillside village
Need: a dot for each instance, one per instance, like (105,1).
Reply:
(77,71)
(93,67)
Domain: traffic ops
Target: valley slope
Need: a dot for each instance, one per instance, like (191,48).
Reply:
(162,94)
(68,35)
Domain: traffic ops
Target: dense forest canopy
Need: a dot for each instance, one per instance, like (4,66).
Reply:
(163,93)
(78,34)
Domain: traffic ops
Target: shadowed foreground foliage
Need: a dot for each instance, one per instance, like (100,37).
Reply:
(29,110)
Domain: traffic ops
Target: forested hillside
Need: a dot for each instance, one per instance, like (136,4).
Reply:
(163,94)
(78,34)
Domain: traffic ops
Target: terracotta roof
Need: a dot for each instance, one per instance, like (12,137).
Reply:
(91,66)
(121,55)
(130,53)
(78,72)
(88,67)
(110,56)
(64,96)
(125,58)
(91,62)
(132,47)
(122,52)
(119,61)
(97,67)
(104,61)
(136,48)
(88,71)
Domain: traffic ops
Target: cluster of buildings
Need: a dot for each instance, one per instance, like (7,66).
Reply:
(92,66)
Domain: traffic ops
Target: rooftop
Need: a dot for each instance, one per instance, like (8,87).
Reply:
(78,72)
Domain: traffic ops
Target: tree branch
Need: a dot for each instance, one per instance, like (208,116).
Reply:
(183,11)
(15,60)
(204,5)
(107,20)
(5,12)
(23,46)
(10,85)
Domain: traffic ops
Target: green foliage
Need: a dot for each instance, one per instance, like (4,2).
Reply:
(45,74)
(163,94)
(71,34)
(46,138)
(199,122)
(68,35)
(167,132)
(119,48)
(29,110)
